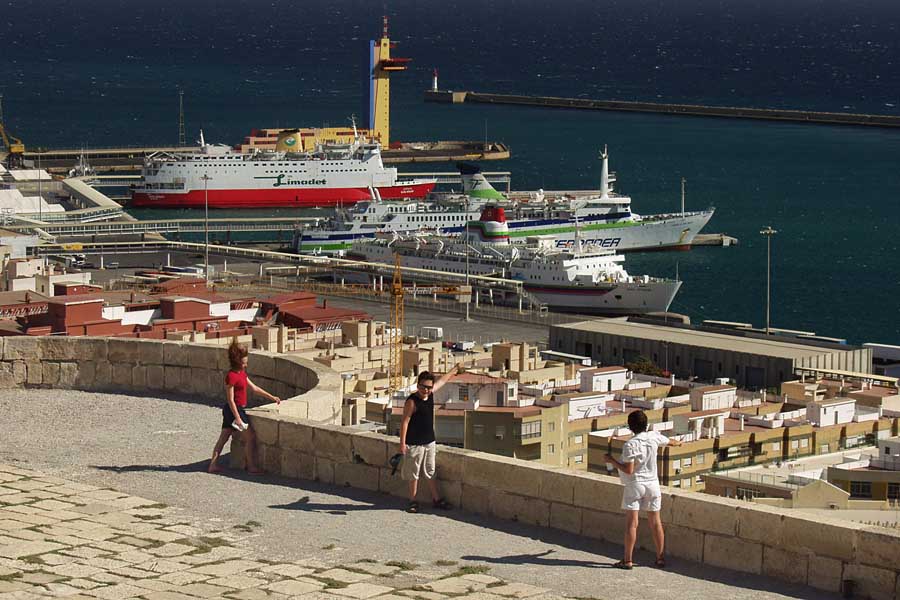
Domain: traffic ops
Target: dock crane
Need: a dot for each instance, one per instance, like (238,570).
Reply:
(13,145)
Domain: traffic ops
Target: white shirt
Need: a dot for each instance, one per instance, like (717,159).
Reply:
(642,450)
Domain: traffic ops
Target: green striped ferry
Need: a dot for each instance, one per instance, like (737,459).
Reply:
(604,219)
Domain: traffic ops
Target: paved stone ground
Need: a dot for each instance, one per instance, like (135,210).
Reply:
(97,452)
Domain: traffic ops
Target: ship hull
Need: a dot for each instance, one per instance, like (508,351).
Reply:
(610,299)
(277,197)
(657,233)
(621,299)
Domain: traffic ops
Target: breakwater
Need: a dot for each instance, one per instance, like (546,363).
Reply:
(694,110)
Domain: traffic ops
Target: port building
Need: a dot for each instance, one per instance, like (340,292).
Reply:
(751,359)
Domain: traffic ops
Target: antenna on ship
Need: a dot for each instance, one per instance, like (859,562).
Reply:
(604,173)
(682,197)
(181,137)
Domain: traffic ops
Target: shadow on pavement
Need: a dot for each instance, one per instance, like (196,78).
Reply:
(194,467)
(364,500)
(536,559)
(306,505)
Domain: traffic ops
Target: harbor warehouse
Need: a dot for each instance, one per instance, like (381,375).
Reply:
(752,359)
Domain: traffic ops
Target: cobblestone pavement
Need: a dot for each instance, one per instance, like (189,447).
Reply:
(59,538)
(158,449)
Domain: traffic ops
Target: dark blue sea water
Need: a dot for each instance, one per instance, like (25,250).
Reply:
(107,72)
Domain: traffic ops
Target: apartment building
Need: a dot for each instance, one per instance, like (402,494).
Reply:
(871,479)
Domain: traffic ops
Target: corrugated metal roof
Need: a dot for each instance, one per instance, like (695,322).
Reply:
(705,339)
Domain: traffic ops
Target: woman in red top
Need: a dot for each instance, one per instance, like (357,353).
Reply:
(234,418)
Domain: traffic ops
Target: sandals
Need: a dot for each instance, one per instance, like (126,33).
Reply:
(413,507)
(624,565)
(441,504)
(660,562)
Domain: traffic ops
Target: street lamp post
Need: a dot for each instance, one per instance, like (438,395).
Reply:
(768,232)
(206,179)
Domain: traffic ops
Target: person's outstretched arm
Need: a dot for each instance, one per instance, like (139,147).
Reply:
(258,390)
(444,379)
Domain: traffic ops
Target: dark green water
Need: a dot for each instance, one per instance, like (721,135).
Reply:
(107,73)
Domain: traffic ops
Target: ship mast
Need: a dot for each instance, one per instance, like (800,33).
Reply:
(604,174)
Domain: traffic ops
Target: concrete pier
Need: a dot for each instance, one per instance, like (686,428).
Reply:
(695,110)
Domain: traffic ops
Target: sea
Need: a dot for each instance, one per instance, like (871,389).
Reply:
(108,73)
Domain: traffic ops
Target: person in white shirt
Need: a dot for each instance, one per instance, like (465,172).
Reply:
(637,470)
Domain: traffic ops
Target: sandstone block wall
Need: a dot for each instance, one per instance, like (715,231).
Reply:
(148,367)
(774,542)
(301,441)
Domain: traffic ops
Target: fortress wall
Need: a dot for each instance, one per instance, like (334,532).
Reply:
(302,440)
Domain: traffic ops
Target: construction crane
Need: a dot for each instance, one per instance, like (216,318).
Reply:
(395,362)
(15,148)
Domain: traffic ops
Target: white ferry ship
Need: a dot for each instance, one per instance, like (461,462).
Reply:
(577,279)
(332,175)
(605,220)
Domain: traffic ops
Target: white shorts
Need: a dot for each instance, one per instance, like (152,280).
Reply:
(642,496)
(419,459)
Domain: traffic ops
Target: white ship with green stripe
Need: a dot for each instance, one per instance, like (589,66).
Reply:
(604,219)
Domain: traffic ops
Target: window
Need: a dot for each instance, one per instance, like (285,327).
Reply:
(686,483)
(676,464)
(860,489)
(551,449)
(701,459)
(579,439)
(686,462)
(823,449)
(746,493)
(804,443)
(500,432)
(893,491)
(776,446)
(531,429)
(795,444)
(478,429)
(462,393)
(578,459)
(551,426)
(676,483)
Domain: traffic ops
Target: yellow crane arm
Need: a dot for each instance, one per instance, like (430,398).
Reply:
(15,146)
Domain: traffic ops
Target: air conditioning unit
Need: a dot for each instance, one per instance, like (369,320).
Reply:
(677,471)
(832,505)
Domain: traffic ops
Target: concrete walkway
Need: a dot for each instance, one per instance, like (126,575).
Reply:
(157,449)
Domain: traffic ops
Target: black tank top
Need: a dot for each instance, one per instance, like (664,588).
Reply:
(421,424)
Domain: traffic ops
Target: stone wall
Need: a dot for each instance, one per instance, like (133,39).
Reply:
(774,542)
(301,441)
(144,367)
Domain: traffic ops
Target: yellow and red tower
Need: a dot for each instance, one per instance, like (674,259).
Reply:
(381,65)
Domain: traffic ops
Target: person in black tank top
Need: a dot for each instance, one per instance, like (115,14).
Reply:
(417,440)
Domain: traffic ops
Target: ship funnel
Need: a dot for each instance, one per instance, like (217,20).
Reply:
(289,141)
(491,228)
(604,173)
(474,183)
